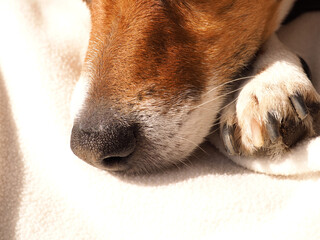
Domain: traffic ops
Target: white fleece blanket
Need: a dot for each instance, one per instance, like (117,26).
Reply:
(47,193)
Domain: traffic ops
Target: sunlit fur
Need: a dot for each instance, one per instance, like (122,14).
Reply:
(165,65)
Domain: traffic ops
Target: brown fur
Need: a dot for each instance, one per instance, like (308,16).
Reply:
(167,49)
(150,64)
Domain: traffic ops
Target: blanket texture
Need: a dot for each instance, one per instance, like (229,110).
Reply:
(47,193)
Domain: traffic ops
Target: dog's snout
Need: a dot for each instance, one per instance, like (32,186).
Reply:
(104,145)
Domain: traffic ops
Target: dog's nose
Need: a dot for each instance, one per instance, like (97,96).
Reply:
(104,145)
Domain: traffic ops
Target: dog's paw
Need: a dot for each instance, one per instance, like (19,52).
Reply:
(273,111)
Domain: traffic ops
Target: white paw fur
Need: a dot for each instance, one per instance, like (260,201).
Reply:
(278,75)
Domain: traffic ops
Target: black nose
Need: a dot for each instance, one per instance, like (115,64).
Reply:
(104,144)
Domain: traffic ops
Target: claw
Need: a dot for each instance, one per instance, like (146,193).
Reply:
(299,105)
(228,139)
(273,128)
(305,67)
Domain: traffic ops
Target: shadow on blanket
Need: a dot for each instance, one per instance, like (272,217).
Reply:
(204,161)
(11,174)
(207,161)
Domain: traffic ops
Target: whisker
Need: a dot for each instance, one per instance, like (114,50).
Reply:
(224,106)
(229,103)
(189,160)
(226,83)
(217,120)
(197,145)
(212,132)
(214,99)
(184,162)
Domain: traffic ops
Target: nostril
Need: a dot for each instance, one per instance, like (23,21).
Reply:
(118,161)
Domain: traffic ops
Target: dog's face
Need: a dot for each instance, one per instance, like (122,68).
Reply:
(156,74)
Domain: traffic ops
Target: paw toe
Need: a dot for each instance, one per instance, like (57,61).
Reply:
(257,135)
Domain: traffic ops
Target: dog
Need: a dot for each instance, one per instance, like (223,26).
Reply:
(159,75)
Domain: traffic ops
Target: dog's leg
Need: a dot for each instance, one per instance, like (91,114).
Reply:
(275,108)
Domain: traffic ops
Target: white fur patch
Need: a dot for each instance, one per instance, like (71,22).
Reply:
(79,96)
